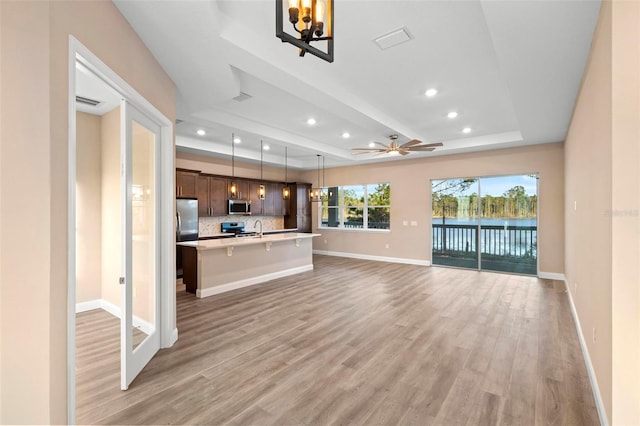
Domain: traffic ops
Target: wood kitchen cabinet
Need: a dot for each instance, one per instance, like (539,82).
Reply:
(275,202)
(257,205)
(243,188)
(299,209)
(212,196)
(187,183)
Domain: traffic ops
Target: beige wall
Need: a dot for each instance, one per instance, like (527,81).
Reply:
(33,156)
(88,207)
(411,200)
(625,255)
(601,164)
(110,196)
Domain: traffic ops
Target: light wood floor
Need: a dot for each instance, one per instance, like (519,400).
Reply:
(354,342)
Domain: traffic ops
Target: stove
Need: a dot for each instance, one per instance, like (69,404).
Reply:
(236,228)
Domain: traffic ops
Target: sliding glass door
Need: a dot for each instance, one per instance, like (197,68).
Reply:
(455,222)
(508,224)
(487,223)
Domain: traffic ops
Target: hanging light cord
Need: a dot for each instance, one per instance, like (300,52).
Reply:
(285,166)
(233,157)
(261,152)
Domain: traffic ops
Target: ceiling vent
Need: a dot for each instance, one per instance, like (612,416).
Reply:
(242,97)
(178,121)
(393,38)
(88,101)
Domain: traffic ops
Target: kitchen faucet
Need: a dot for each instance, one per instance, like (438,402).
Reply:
(258,221)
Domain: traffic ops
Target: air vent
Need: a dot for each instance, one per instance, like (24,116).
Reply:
(88,101)
(242,97)
(393,38)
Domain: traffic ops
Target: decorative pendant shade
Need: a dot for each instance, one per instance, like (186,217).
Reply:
(317,194)
(286,191)
(233,187)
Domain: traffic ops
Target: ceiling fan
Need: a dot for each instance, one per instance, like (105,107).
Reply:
(394,149)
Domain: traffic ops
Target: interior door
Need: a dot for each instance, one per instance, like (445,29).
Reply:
(140,319)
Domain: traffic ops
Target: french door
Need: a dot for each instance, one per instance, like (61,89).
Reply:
(140,280)
(487,223)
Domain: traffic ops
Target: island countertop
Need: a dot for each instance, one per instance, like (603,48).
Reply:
(215,266)
(213,244)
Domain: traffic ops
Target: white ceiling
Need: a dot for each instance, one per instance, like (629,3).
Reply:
(510,68)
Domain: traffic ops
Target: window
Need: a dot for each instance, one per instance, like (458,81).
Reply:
(357,207)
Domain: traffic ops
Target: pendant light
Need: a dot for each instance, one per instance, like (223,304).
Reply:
(262,191)
(317,194)
(233,188)
(286,191)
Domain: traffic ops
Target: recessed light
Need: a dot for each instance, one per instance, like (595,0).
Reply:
(371,144)
(452,114)
(466,130)
(346,135)
(266,147)
(237,140)
(431,92)
(311,121)
(201,132)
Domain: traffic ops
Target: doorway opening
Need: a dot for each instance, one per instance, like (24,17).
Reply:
(121,284)
(486,223)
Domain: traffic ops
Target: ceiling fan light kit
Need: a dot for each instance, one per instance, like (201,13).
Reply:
(312,21)
(393,148)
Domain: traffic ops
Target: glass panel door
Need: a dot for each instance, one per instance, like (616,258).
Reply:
(140,336)
(454,211)
(508,224)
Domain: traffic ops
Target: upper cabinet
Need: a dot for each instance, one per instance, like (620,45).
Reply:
(242,186)
(212,196)
(187,183)
(213,191)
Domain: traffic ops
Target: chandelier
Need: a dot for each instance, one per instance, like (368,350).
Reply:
(311,21)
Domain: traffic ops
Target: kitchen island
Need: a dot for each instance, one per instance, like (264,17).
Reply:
(220,265)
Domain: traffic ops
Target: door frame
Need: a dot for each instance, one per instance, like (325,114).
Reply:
(168,326)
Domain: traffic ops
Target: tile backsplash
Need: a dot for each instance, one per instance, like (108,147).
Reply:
(208,226)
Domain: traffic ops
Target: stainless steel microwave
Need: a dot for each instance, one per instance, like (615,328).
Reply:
(242,207)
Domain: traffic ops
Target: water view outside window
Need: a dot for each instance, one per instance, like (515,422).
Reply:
(357,207)
(486,223)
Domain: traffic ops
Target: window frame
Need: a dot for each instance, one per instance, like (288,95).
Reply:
(341,208)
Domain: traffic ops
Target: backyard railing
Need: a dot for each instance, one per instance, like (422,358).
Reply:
(515,241)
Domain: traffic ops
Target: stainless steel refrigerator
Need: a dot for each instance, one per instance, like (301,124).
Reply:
(186,226)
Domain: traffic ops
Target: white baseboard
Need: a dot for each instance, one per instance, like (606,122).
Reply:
(551,276)
(602,414)
(251,281)
(114,310)
(89,305)
(376,258)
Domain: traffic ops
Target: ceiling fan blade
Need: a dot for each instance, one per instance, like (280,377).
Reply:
(377,151)
(421,148)
(403,152)
(367,149)
(410,143)
(385,146)
(429,145)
